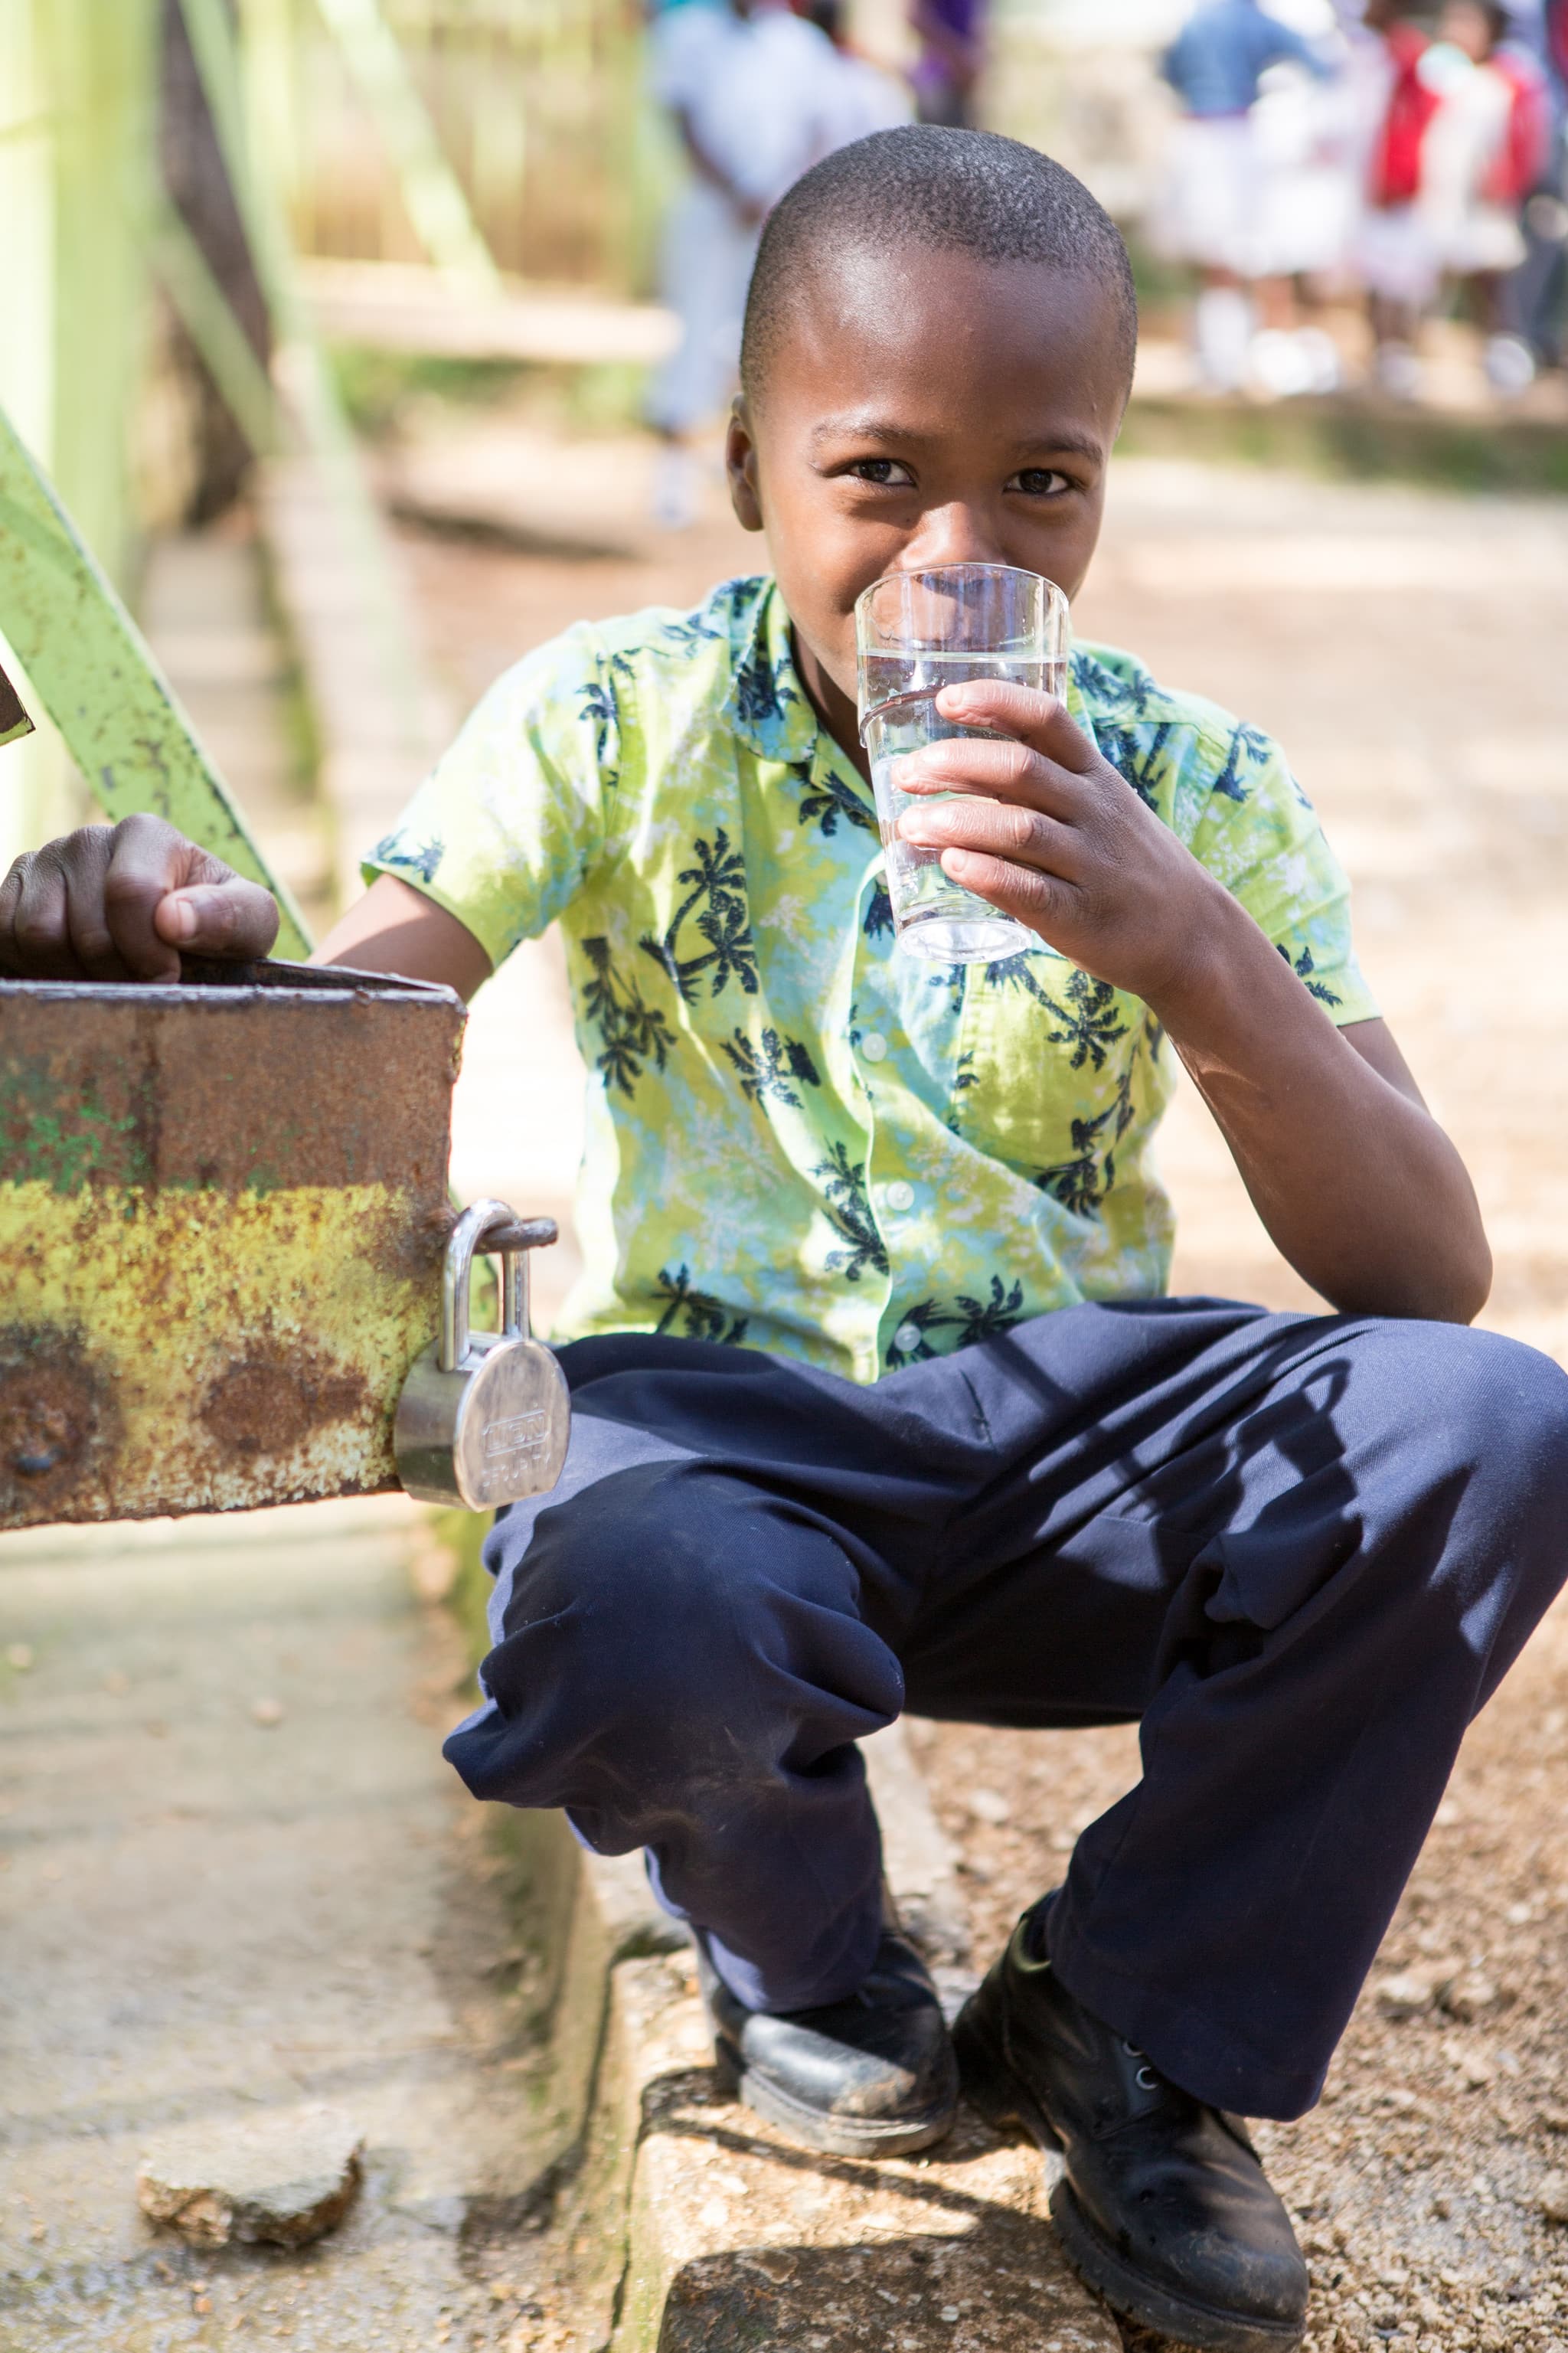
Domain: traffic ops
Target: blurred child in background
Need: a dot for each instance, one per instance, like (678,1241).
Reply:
(1486,149)
(1396,256)
(1541,287)
(1465,136)
(758,92)
(1305,128)
(1212,209)
(751,90)
(950,34)
(862,98)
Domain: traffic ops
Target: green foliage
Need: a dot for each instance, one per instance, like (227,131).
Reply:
(378,388)
(1355,441)
(1162,284)
(606,397)
(382,390)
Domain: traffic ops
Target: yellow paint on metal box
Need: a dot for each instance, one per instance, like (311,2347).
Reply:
(222,1217)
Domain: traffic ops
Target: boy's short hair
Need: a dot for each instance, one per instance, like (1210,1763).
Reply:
(969,191)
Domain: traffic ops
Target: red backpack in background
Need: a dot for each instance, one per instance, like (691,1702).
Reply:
(1521,159)
(1397,158)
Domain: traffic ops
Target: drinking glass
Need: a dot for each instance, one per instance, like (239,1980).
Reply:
(916,632)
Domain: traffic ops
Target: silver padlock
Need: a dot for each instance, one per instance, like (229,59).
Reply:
(484,1416)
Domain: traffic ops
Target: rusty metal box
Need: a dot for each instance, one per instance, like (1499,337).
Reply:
(223,1207)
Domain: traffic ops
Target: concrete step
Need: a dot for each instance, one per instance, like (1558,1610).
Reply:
(711,2232)
(738,2239)
(238,1882)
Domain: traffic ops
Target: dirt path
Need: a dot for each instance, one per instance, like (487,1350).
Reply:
(1409,649)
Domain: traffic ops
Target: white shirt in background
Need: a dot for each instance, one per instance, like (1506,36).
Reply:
(757,90)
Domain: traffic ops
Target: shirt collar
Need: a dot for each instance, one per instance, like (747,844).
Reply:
(1079,707)
(767,707)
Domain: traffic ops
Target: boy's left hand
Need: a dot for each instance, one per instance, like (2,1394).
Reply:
(1060,840)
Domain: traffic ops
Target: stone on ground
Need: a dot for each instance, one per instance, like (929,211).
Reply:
(285,2179)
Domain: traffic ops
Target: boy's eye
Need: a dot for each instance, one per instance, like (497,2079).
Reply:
(1039,482)
(886,472)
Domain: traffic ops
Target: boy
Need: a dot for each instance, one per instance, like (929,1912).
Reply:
(876,1401)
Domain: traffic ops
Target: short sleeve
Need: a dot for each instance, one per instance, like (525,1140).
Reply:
(509,826)
(1284,44)
(1260,835)
(683,45)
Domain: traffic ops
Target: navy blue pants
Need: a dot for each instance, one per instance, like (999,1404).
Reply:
(1299,1551)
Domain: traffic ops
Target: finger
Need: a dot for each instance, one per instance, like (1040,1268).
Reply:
(997,766)
(996,829)
(147,860)
(235,918)
(1039,719)
(1041,901)
(10,895)
(85,866)
(40,930)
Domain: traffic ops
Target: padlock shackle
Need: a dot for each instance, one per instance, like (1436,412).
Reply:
(490,1228)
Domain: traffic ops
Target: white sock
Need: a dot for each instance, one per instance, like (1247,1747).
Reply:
(1509,366)
(1221,330)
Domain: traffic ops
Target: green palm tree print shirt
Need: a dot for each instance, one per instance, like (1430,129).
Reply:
(800,1138)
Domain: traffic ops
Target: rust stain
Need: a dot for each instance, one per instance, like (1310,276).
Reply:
(276,1079)
(233,1192)
(411,1250)
(256,1346)
(267,1402)
(57,1418)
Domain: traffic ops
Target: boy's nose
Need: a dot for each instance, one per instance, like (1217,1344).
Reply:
(950,535)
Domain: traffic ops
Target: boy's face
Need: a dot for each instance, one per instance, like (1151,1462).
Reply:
(926,408)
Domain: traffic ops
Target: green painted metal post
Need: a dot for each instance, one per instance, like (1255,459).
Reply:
(91,668)
(76,81)
(226,349)
(299,365)
(430,189)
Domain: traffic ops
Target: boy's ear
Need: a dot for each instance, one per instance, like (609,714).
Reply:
(740,465)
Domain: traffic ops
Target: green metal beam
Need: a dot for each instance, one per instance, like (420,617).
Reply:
(91,668)
(216,53)
(226,349)
(432,193)
(299,365)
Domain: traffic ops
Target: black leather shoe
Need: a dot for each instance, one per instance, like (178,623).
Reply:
(872,2076)
(1163,2206)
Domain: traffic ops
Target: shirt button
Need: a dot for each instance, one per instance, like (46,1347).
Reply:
(907,1339)
(900,1195)
(874,1046)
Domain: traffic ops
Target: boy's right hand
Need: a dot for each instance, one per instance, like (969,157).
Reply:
(121,902)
